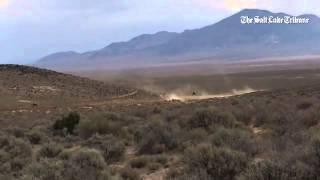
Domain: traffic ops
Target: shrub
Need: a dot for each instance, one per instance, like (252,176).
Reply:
(86,164)
(174,173)
(161,159)
(216,163)
(140,162)
(156,110)
(196,136)
(16,152)
(235,139)
(153,166)
(6,176)
(145,161)
(111,147)
(129,174)
(201,175)
(157,138)
(311,118)
(50,150)
(304,105)
(67,122)
(314,155)
(108,123)
(276,170)
(44,170)
(16,132)
(4,162)
(205,118)
(243,114)
(35,136)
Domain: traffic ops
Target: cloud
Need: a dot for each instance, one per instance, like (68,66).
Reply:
(4,3)
(35,28)
(225,5)
(296,6)
(236,5)
(31,10)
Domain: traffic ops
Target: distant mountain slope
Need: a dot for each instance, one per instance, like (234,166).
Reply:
(137,44)
(225,40)
(230,33)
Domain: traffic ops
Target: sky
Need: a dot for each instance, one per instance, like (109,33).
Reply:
(31,29)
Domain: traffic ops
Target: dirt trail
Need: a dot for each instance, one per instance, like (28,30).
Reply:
(126,95)
(111,99)
(81,104)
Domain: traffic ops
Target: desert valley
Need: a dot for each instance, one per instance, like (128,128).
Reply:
(204,104)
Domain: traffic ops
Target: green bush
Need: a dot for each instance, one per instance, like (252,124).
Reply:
(68,122)
(215,163)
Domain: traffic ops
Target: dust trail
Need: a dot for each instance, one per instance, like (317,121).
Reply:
(203,95)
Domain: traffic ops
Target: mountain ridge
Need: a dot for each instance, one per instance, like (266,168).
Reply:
(226,39)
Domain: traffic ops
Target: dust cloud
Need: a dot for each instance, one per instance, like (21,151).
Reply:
(204,95)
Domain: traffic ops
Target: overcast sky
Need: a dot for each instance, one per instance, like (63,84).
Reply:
(30,29)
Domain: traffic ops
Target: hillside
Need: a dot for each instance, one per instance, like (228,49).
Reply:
(25,86)
(227,39)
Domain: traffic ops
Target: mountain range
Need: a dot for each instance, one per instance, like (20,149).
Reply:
(226,40)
